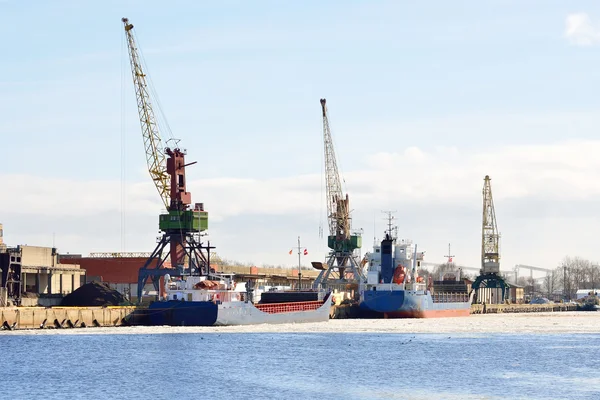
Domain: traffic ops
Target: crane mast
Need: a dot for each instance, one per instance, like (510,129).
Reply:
(490,239)
(155,156)
(340,240)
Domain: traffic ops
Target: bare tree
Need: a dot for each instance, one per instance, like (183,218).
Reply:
(579,272)
(592,275)
(576,273)
(531,286)
(469,276)
(550,283)
(566,276)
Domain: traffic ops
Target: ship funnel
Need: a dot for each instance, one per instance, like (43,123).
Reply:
(387,262)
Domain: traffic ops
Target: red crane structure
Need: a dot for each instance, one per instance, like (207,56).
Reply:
(181,225)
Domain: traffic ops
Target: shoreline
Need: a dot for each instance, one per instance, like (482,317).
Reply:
(565,322)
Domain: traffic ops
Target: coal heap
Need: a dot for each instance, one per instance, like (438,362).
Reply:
(93,294)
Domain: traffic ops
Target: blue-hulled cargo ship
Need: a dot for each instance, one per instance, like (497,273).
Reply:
(395,289)
(217,299)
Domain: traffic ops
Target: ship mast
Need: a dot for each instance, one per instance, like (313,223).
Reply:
(392,230)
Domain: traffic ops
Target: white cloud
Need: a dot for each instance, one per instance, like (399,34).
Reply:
(541,192)
(580,30)
(567,170)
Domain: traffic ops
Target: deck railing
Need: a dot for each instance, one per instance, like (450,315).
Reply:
(450,297)
(274,308)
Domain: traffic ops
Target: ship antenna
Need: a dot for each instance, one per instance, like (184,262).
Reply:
(374,231)
(390,230)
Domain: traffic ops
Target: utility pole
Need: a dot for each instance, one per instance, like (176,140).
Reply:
(299,266)
(299,248)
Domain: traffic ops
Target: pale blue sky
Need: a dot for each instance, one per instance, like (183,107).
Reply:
(240,84)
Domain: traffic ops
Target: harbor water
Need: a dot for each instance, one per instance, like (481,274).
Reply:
(187,363)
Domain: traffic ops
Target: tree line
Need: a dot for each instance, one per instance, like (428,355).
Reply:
(572,274)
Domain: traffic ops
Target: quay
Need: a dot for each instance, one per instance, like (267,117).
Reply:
(14,318)
(349,311)
(521,308)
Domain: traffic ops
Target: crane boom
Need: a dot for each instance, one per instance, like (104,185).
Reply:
(337,206)
(155,156)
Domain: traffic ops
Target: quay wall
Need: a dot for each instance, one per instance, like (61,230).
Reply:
(64,317)
(79,317)
(345,311)
(521,308)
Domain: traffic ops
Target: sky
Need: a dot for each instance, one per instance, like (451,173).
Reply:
(424,101)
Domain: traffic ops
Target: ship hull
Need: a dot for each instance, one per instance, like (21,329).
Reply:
(407,304)
(183,313)
(206,313)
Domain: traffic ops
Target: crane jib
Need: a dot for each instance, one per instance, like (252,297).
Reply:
(155,156)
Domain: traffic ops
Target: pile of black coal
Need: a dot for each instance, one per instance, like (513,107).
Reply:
(93,294)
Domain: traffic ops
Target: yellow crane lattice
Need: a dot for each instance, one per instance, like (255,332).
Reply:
(155,156)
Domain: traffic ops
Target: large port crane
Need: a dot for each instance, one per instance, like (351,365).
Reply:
(490,239)
(180,225)
(341,261)
(489,274)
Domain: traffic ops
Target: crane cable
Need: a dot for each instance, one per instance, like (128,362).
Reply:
(337,161)
(322,202)
(123,141)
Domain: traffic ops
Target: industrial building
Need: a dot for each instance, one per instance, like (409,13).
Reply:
(514,294)
(32,275)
